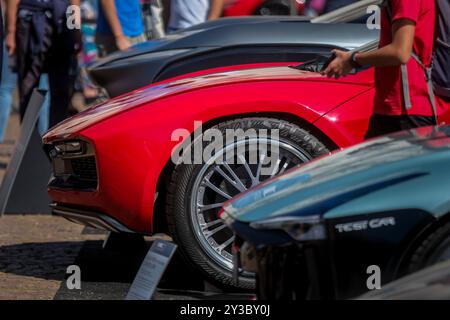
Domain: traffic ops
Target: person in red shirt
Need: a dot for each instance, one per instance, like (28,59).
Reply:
(406,27)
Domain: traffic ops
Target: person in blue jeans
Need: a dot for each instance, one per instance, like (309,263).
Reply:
(7,86)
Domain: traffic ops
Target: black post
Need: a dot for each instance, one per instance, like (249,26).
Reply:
(24,188)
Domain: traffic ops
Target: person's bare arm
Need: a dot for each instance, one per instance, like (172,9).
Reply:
(11,20)
(216,9)
(110,10)
(75,2)
(397,53)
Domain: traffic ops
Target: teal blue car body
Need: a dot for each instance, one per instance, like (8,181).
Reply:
(374,204)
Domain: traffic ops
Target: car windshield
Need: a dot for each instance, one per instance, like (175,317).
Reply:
(322,60)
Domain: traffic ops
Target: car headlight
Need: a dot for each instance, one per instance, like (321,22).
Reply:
(68,148)
(299,228)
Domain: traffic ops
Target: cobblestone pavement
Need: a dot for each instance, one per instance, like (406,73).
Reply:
(35,252)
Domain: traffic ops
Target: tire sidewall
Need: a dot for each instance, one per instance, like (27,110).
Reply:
(427,254)
(185,178)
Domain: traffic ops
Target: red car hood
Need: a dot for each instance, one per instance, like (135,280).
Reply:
(154,92)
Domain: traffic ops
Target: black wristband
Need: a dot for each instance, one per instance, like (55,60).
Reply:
(353,61)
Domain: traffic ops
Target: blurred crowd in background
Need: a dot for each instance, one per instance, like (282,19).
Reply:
(107,26)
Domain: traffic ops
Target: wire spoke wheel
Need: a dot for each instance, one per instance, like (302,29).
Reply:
(219,181)
(254,150)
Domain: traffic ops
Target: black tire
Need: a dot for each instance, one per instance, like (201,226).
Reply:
(179,197)
(434,249)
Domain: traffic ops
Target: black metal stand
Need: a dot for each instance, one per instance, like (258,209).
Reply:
(24,188)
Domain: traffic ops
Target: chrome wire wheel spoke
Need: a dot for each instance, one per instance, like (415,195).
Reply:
(285,166)
(209,233)
(255,181)
(276,168)
(205,226)
(217,183)
(226,244)
(202,208)
(262,158)
(235,177)
(217,190)
(237,183)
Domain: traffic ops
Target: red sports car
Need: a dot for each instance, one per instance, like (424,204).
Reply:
(122,165)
